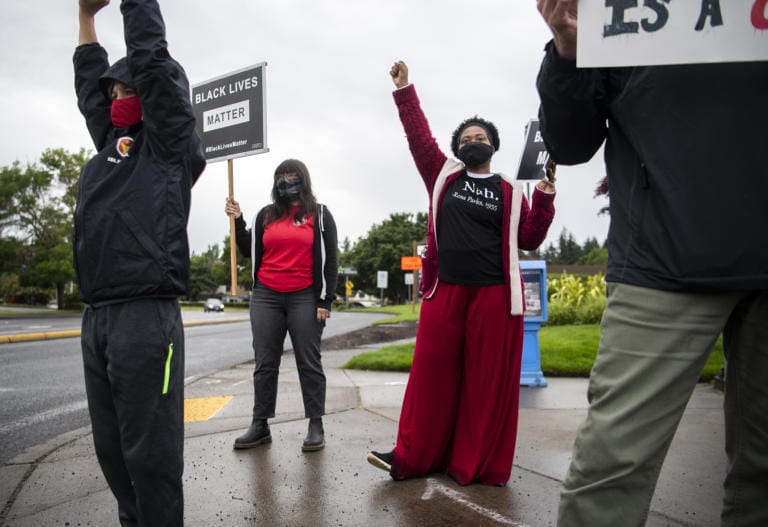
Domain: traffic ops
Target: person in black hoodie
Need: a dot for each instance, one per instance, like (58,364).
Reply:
(687,260)
(131,258)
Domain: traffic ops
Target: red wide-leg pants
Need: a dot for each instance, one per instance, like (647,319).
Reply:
(460,407)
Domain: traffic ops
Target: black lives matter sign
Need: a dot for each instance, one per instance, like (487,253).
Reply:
(535,155)
(230,113)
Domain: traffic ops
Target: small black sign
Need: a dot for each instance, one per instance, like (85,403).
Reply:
(535,155)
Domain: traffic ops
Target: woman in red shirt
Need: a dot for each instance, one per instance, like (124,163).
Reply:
(292,244)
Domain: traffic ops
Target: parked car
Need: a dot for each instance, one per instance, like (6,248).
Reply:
(213,304)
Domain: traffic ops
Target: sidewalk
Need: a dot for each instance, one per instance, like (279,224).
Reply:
(59,483)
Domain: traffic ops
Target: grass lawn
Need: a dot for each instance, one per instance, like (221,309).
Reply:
(402,313)
(389,358)
(566,351)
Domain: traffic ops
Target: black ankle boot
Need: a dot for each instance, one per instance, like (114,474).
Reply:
(315,439)
(257,434)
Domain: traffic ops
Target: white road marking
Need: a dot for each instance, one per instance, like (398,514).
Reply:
(43,416)
(461,499)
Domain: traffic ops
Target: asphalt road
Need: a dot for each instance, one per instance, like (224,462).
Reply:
(42,392)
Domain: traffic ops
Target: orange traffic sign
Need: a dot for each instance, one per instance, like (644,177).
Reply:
(410,263)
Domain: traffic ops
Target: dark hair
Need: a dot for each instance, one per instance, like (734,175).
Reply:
(490,129)
(279,207)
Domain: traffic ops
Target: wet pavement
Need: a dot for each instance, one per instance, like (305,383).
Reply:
(59,483)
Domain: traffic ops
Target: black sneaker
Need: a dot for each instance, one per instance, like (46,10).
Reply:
(382,461)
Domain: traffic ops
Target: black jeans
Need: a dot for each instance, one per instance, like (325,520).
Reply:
(273,314)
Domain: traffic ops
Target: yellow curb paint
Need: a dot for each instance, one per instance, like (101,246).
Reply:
(48,335)
(26,337)
(203,408)
(212,322)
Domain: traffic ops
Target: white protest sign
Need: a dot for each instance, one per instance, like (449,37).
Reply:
(648,32)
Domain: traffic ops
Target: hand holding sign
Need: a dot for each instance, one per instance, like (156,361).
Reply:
(560,16)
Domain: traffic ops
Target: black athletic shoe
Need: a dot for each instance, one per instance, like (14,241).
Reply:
(382,461)
(257,434)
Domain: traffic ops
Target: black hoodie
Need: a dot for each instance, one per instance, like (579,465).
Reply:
(130,238)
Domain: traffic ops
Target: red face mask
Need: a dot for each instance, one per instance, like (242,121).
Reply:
(126,112)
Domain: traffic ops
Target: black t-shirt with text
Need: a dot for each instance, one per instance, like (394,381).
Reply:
(469,233)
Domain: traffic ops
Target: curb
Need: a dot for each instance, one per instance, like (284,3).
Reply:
(26,337)
(49,335)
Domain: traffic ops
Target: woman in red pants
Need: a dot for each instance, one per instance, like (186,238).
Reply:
(459,413)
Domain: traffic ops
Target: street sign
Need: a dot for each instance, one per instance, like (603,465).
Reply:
(349,271)
(381,279)
(410,263)
(231,114)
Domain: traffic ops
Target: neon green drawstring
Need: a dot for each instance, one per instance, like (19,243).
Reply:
(167,377)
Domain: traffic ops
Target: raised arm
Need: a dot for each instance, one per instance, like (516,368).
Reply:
(90,61)
(573,109)
(161,82)
(424,148)
(87,10)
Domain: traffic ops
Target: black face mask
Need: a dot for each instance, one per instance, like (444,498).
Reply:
(289,188)
(475,154)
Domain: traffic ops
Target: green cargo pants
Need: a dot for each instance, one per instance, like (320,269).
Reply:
(653,346)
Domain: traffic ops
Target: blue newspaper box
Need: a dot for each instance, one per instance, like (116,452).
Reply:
(534,274)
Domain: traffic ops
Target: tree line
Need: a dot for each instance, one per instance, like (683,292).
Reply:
(37,203)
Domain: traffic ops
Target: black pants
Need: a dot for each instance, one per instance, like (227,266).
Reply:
(272,315)
(133,355)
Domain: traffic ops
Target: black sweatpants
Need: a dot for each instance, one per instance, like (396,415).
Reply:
(133,355)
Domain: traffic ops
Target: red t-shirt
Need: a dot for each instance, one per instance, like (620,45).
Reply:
(286,264)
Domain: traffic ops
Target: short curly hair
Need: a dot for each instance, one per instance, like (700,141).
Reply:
(490,128)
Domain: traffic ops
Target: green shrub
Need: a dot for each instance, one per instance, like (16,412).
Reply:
(591,311)
(574,299)
(72,301)
(575,289)
(560,313)
(30,296)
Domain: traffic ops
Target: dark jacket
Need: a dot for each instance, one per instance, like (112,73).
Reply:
(685,157)
(130,235)
(325,272)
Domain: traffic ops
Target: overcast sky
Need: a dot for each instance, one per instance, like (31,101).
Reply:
(328,95)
